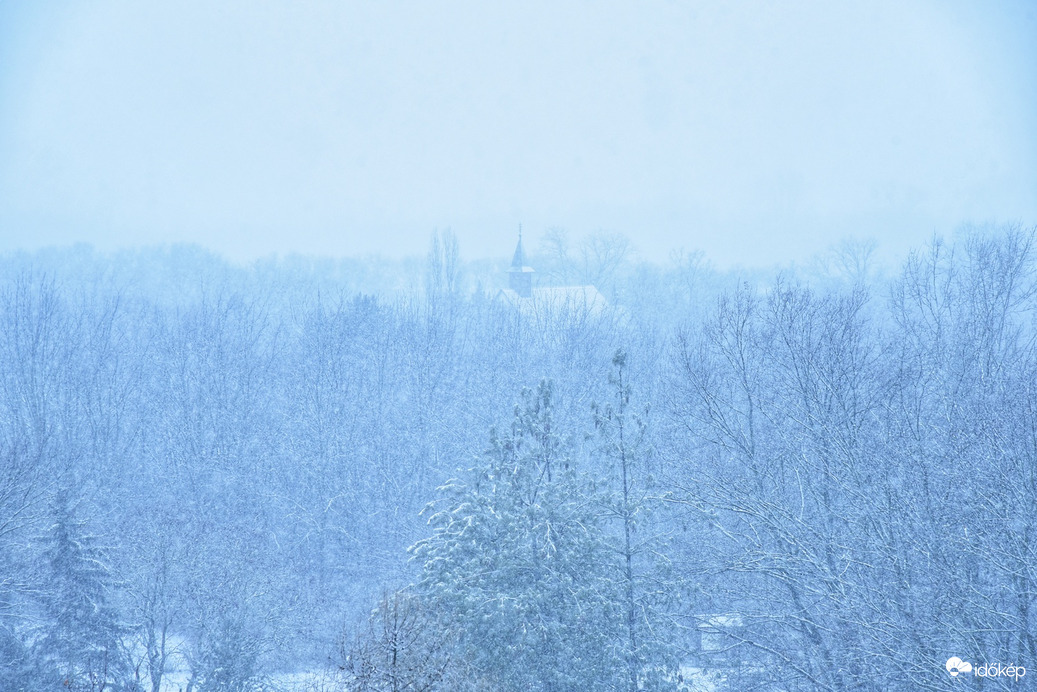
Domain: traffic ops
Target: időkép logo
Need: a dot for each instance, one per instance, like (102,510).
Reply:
(955,666)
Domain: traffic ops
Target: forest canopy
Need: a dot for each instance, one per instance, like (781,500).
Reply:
(349,475)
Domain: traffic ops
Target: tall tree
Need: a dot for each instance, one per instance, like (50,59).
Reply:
(630,501)
(518,563)
(82,636)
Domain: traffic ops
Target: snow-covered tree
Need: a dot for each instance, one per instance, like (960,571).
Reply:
(518,564)
(81,639)
(401,649)
(637,540)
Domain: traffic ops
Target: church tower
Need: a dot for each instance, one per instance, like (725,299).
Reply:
(520,276)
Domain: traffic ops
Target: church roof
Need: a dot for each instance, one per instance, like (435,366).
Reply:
(543,301)
(557,299)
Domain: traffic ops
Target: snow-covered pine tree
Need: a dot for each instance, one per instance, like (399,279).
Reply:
(518,565)
(80,640)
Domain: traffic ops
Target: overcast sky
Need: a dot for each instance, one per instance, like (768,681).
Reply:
(756,131)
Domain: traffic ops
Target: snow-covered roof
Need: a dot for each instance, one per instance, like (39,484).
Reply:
(556,299)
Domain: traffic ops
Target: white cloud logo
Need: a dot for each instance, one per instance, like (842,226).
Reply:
(955,665)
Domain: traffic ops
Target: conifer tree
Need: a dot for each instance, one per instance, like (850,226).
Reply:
(518,565)
(81,637)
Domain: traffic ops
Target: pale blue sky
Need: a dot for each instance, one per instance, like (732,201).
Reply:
(756,131)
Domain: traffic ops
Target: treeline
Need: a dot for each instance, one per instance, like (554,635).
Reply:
(786,484)
(865,469)
(218,482)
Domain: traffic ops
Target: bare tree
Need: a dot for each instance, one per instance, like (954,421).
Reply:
(401,649)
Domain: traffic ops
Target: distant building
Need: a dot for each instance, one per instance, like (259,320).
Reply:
(520,275)
(535,300)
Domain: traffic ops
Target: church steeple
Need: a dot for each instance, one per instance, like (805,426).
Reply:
(520,275)
(519,260)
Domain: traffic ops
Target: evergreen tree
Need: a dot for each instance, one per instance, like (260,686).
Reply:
(81,638)
(518,565)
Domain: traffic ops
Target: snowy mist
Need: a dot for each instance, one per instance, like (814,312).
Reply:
(554,347)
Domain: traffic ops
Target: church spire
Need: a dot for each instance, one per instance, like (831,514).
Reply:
(519,260)
(520,275)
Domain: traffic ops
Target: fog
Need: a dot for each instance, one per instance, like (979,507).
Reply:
(567,347)
(756,132)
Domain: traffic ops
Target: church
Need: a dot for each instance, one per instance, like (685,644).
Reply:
(527,297)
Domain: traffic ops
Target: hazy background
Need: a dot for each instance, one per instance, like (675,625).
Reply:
(756,131)
(223,472)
